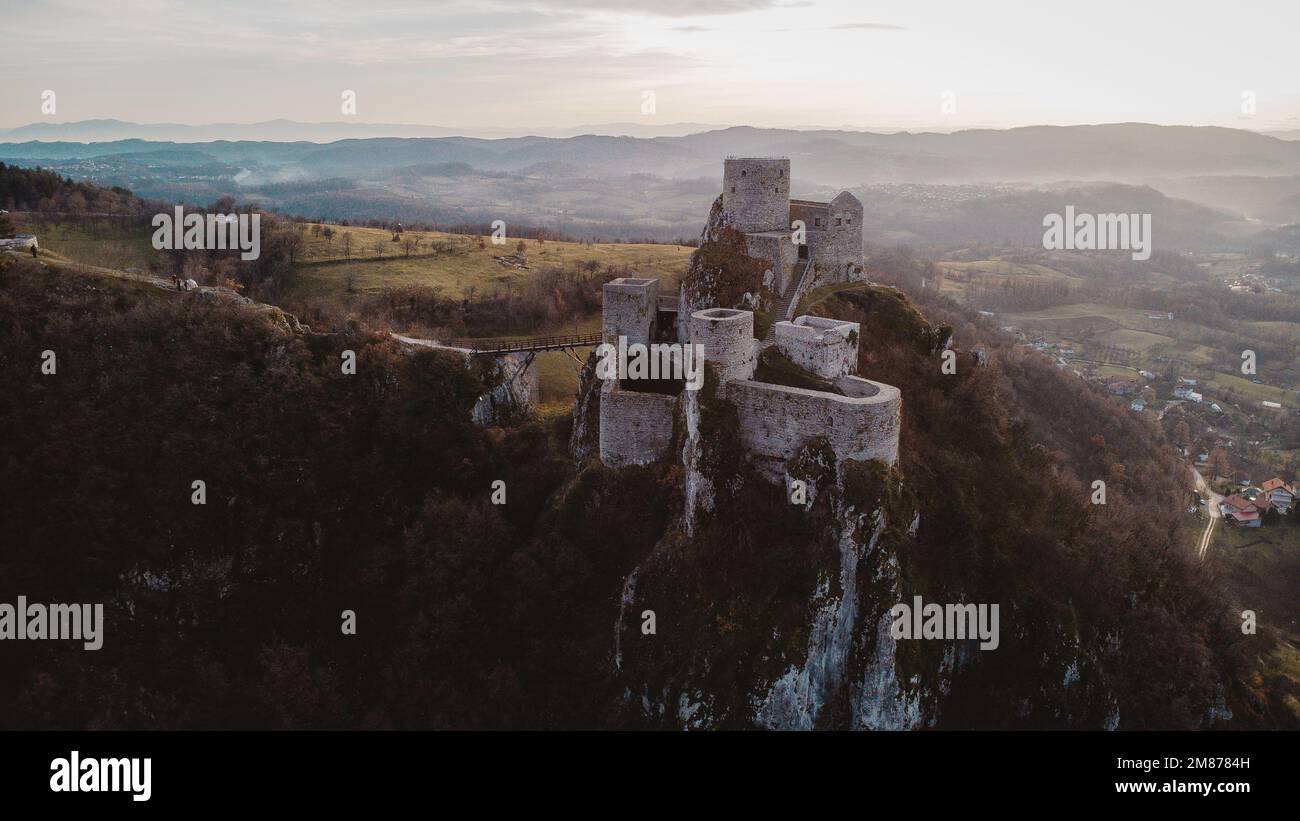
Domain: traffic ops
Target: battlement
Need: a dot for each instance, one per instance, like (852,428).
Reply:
(776,421)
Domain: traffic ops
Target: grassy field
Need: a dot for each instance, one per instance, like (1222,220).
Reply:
(102,243)
(1106,371)
(960,276)
(1125,317)
(456,264)
(1140,341)
(1290,330)
(1125,327)
(453,262)
(995,268)
(1223,381)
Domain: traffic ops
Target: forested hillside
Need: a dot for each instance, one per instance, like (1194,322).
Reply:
(35,189)
(327,492)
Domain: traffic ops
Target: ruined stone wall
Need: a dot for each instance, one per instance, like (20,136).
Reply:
(728,339)
(756,193)
(839,251)
(635,428)
(776,421)
(628,309)
(826,347)
(780,254)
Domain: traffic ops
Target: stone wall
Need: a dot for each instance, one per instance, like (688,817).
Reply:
(628,308)
(776,421)
(756,193)
(635,428)
(839,250)
(776,249)
(815,215)
(826,347)
(728,339)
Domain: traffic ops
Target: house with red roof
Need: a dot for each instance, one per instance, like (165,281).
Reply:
(1240,511)
(1279,494)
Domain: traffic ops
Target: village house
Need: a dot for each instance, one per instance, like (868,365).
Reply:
(1279,494)
(1239,511)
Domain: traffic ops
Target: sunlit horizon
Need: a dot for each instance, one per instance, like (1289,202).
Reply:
(545,64)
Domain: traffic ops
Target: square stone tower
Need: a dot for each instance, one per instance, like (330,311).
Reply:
(756,193)
(628,309)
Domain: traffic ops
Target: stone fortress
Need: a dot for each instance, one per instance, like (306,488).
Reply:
(860,419)
(756,201)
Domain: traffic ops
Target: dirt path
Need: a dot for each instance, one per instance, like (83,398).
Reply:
(1212,502)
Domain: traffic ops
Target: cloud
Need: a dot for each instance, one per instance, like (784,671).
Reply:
(872,26)
(668,8)
(845,27)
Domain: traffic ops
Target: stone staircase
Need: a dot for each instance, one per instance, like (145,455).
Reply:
(789,302)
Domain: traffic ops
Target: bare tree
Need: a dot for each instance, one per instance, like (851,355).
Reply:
(1219,464)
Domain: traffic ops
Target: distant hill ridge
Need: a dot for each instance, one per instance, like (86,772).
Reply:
(1120,152)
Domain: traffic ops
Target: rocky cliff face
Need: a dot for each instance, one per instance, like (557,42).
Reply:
(722,274)
(510,389)
(768,613)
(765,613)
(584,439)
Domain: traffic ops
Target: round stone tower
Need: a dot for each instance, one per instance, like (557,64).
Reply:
(727,336)
(756,193)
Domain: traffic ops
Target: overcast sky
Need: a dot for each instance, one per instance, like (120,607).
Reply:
(553,63)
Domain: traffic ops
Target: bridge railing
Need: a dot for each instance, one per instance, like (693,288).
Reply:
(538,343)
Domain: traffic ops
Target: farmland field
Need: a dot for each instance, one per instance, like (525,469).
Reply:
(456,263)
(995,268)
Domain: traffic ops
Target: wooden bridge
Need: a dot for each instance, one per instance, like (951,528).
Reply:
(531,345)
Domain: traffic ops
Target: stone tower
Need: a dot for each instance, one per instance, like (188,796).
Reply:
(756,193)
(629,310)
(727,338)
